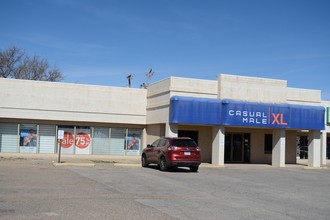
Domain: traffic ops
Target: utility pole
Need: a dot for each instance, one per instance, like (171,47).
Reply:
(149,74)
(129,78)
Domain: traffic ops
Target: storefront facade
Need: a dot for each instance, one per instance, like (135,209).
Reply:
(233,119)
(240,119)
(42,139)
(95,119)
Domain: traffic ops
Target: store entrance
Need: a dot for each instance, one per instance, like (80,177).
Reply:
(192,134)
(237,147)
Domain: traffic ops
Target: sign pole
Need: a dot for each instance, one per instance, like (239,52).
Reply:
(59,152)
(60,136)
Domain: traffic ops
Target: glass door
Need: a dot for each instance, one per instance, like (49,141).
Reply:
(234,147)
(228,144)
(237,148)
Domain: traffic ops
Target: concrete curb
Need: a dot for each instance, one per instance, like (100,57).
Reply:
(126,165)
(74,164)
(315,168)
(211,166)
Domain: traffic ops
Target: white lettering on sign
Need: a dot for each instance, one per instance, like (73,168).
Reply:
(250,117)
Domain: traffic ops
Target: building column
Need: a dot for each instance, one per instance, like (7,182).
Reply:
(171,130)
(324,148)
(278,153)
(314,148)
(218,145)
(144,138)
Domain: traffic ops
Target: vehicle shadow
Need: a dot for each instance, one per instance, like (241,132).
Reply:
(172,169)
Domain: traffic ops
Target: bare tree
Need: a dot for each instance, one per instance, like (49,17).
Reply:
(15,63)
(9,61)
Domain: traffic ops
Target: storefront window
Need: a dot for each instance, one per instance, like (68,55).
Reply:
(8,137)
(117,141)
(133,145)
(47,139)
(101,141)
(28,138)
(68,142)
(83,140)
(33,138)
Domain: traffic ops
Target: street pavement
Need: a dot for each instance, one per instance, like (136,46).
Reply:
(33,188)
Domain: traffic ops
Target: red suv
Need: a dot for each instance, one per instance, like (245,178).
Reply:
(172,152)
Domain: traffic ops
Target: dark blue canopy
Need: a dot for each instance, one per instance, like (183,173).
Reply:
(205,111)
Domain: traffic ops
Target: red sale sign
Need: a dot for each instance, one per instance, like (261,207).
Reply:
(82,140)
(67,140)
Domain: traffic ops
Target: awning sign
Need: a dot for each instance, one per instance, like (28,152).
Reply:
(188,110)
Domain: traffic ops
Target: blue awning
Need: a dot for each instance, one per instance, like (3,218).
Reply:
(195,110)
(203,111)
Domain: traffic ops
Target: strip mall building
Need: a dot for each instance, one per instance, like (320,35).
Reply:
(233,118)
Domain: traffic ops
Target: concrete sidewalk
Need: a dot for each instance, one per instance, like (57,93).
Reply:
(97,160)
(73,159)
(82,160)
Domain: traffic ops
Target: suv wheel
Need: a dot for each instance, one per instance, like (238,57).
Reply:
(144,161)
(163,165)
(193,168)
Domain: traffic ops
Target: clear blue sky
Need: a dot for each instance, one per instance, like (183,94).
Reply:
(102,41)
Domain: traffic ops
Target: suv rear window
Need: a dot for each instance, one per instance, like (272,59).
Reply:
(184,143)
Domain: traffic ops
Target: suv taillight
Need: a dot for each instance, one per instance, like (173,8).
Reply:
(176,148)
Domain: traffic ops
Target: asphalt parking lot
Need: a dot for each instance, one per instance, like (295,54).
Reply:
(36,189)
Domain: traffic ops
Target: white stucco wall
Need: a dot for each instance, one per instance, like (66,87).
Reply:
(257,152)
(26,99)
(251,89)
(160,93)
(303,96)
